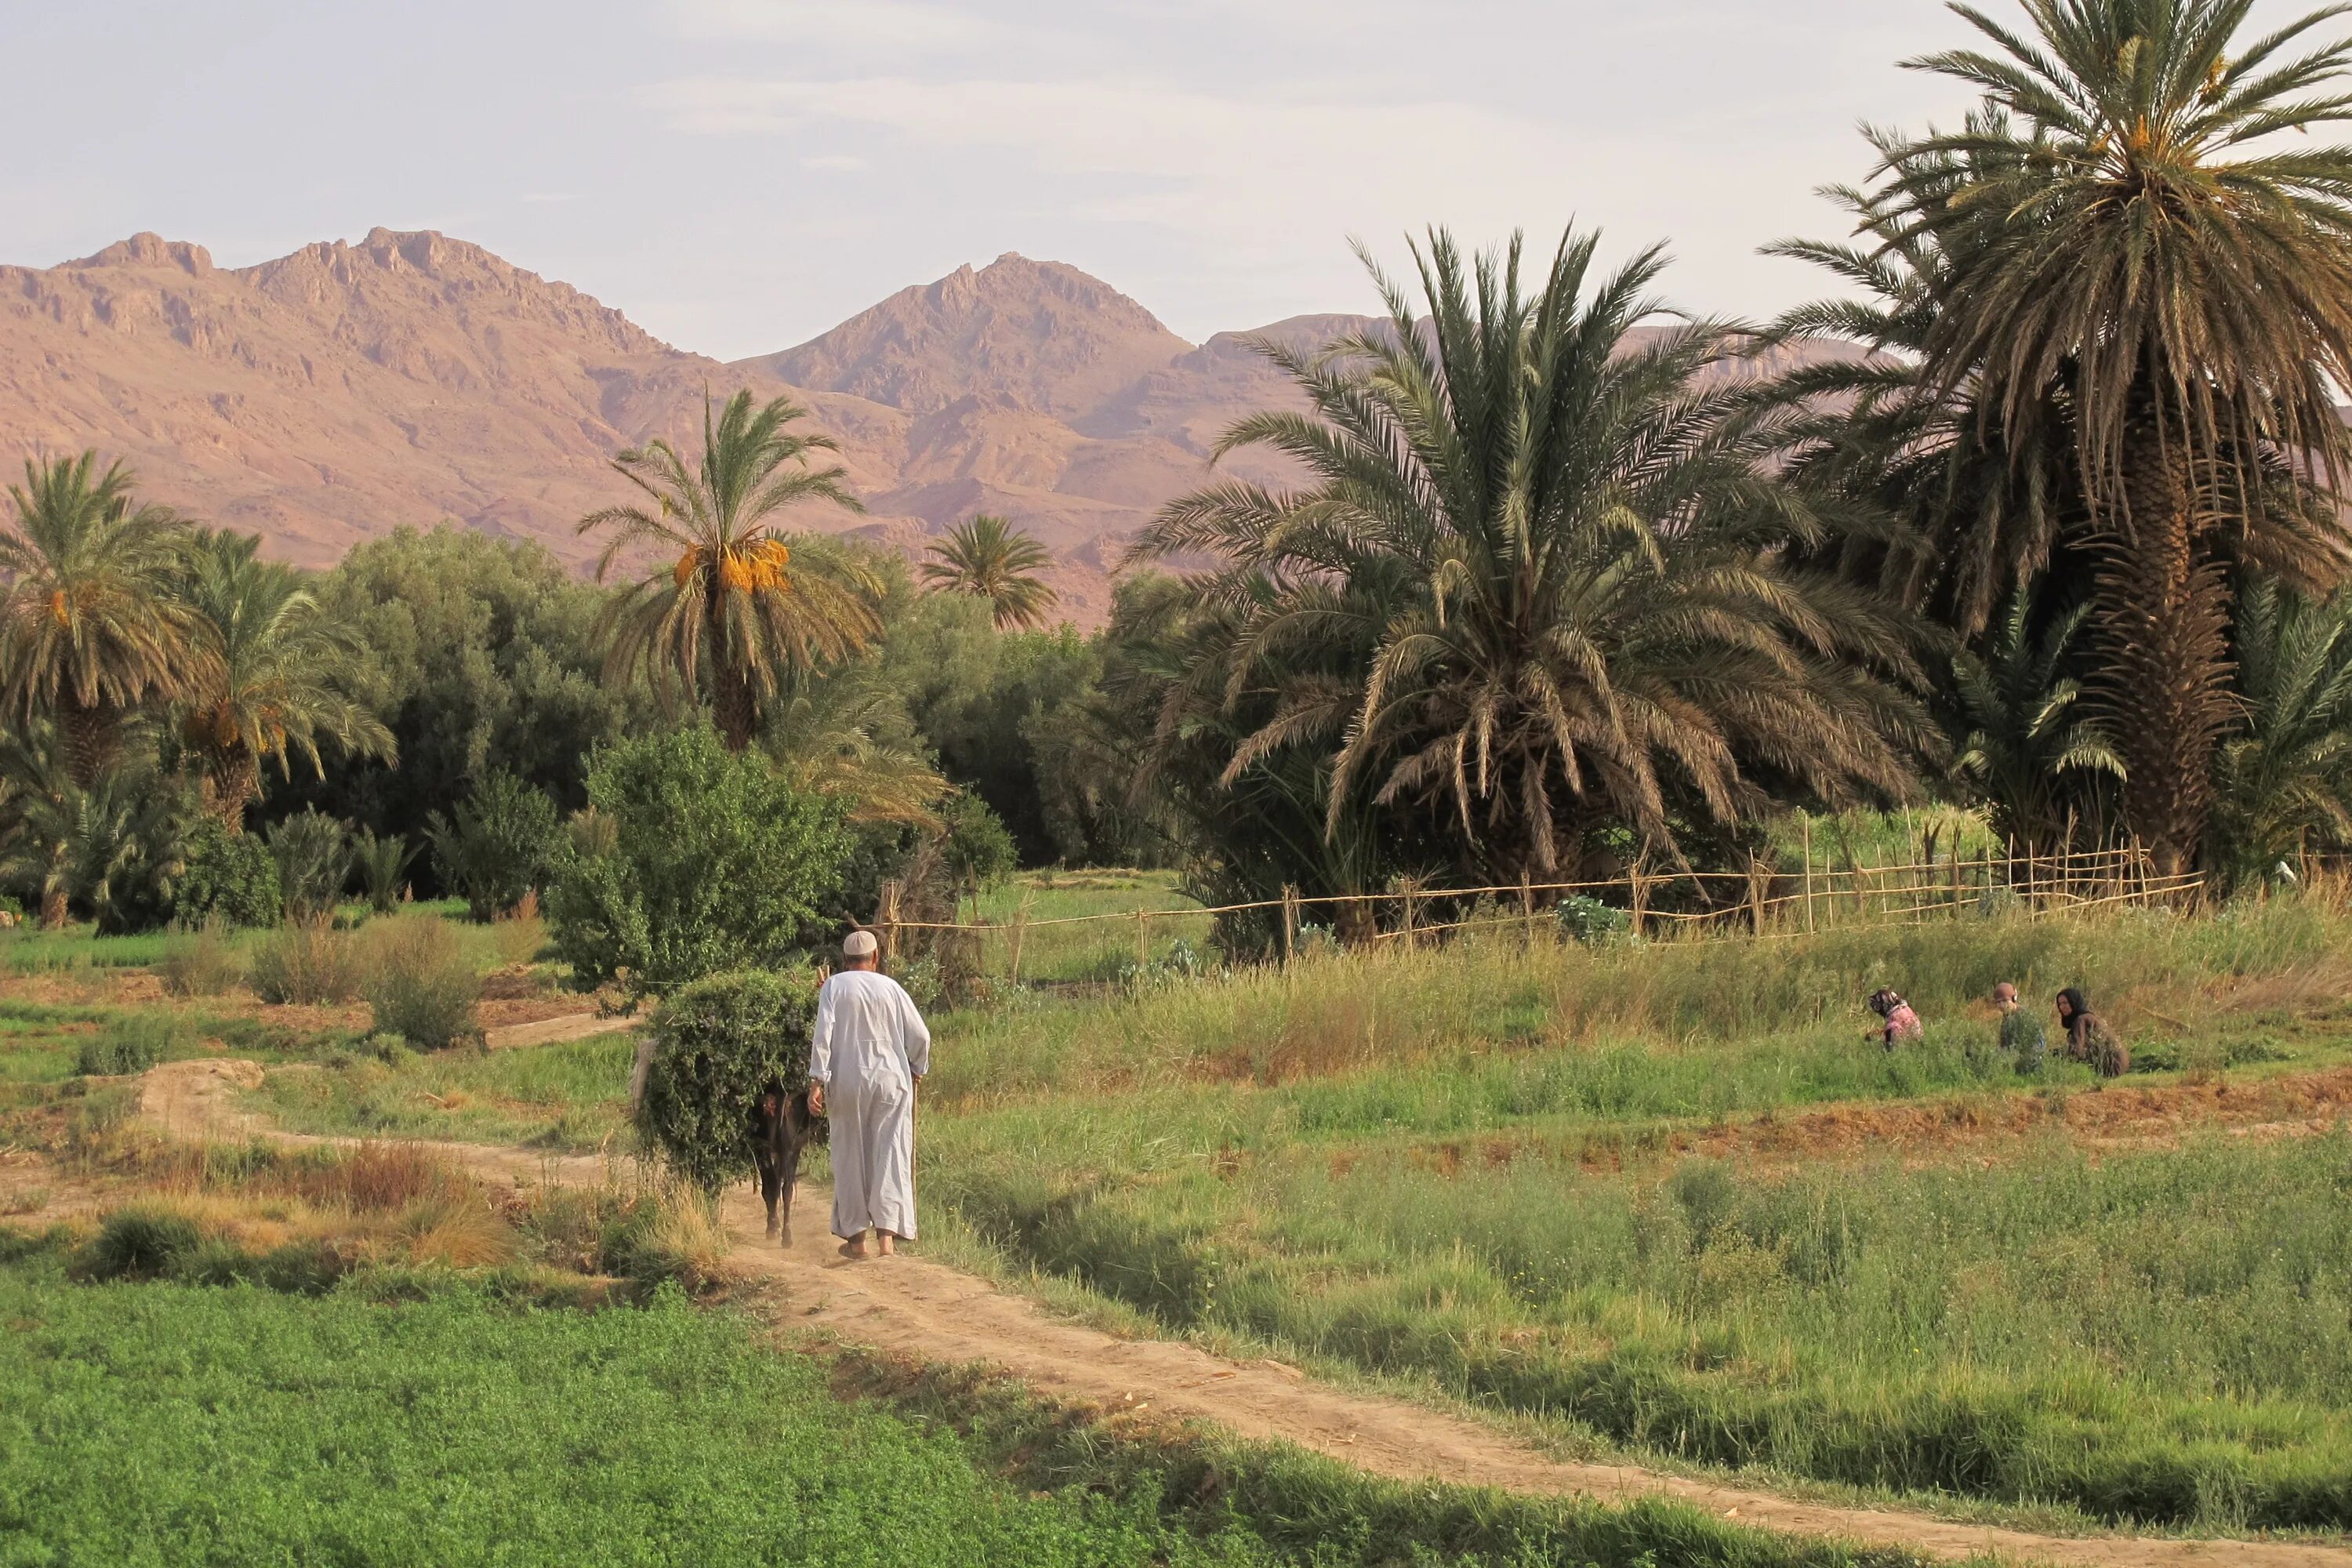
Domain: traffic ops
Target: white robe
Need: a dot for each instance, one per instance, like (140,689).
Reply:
(870,1046)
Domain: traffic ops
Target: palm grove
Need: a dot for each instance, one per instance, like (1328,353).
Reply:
(2039,511)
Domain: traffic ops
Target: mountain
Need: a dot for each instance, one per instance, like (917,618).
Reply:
(335,393)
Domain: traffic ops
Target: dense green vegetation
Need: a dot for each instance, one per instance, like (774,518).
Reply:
(370,1428)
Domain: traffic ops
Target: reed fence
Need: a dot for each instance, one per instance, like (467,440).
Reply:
(1768,899)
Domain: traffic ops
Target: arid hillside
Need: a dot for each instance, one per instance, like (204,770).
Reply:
(337,393)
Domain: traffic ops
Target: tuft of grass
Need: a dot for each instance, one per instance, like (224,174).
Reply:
(132,1042)
(306,962)
(419,983)
(206,962)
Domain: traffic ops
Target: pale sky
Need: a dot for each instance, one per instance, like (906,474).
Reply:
(738,175)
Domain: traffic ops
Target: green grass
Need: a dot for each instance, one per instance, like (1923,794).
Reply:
(1391,1167)
(567,1096)
(1098,949)
(152,1423)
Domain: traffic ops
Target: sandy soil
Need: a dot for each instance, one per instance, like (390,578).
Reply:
(911,1307)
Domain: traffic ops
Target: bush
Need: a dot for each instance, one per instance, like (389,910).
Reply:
(306,962)
(127,1045)
(716,1045)
(230,877)
(201,963)
(419,985)
(498,848)
(715,862)
(314,861)
(980,852)
(1586,919)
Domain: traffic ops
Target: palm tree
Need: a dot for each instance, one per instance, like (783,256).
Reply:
(276,682)
(90,622)
(985,557)
(1536,581)
(113,850)
(741,599)
(2285,773)
(2137,245)
(846,733)
(2029,752)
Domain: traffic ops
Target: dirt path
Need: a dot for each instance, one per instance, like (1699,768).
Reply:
(910,1306)
(555,1031)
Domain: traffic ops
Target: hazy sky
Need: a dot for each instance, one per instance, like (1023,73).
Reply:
(740,175)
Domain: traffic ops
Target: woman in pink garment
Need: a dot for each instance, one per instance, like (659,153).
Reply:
(1901,1022)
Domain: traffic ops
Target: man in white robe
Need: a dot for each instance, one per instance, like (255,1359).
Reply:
(869,1052)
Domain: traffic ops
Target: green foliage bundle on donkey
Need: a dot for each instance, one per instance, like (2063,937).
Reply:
(726,1081)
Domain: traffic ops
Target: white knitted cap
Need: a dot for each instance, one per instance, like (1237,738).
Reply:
(859,944)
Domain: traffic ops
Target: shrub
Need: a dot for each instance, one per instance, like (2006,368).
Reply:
(1586,919)
(314,861)
(496,848)
(140,1242)
(129,1044)
(418,983)
(230,877)
(716,862)
(306,962)
(980,852)
(203,961)
(383,867)
(716,1045)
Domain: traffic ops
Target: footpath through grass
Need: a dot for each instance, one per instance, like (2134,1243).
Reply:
(1388,1165)
(171,1424)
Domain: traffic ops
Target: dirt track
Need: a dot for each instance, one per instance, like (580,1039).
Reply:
(911,1307)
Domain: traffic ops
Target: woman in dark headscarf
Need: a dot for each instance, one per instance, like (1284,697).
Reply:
(1902,1023)
(2089,1038)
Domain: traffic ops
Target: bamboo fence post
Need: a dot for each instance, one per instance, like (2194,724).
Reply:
(1020,927)
(1637,892)
(1142,939)
(1805,831)
(1289,922)
(1410,941)
(1528,905)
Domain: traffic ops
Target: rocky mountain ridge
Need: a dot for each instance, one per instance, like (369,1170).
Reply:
(334,394)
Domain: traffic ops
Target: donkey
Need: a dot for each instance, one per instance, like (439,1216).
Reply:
(781,1127)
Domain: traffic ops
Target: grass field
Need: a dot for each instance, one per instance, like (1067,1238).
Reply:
(1467,1171)
(399,1424)
(1105,946)
(1441,1167)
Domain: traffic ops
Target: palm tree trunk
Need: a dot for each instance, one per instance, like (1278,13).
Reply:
(229,781)
(92,737)
(734,706)
(2163,608)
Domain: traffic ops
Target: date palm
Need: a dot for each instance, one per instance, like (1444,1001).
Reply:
(91,626)
(2283,778)
(2142,246)
(2029,752)
(276,682)
(984,557)
(738,599)
(1535,580)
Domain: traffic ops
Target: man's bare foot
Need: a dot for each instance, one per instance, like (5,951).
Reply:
(889,1243)
(854,1248)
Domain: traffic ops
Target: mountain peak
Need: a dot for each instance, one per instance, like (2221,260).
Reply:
(146,249)
(1042,334)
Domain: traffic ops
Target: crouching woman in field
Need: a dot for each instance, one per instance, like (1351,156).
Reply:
(1898,1022)
(2089,1038)
(868,1051)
